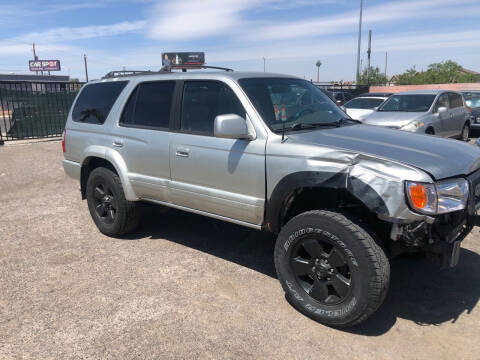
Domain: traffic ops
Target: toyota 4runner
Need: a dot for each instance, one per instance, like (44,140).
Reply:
(273,153)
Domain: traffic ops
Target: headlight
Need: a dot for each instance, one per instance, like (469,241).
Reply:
(438,198)
(452,195)
(412,126)
(478,119)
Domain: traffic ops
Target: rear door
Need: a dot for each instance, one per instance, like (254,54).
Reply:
(225,177)
(457,113)
(142,137)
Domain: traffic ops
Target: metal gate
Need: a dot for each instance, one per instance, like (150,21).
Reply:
(30,110)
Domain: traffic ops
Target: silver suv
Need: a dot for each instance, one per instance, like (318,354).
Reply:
(434,112)
(273,153)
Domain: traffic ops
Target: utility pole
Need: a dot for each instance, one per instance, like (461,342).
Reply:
(264,64)
(359,41)
(34,56)
(369,52)
(86,69)
(386,62)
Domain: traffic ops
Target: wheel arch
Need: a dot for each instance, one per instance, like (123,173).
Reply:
(97,156)
(304,191)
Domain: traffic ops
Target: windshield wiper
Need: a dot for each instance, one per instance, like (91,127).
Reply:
(342,121)
(301,126)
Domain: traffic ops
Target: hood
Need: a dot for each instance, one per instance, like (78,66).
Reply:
(441,158)
(359,114)
(394,119)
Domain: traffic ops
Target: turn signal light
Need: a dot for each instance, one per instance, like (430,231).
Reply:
(418,196)
(422,197)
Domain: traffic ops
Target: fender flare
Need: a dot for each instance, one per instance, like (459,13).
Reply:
(117,162)
(290,184)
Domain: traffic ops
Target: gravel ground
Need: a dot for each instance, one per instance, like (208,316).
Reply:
(185,286)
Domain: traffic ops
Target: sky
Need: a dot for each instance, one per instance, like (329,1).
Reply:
(291,35)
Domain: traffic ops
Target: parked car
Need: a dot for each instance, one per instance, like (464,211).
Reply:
(360,107)
(341,196)
(434,112)
(341,97)
(472,100)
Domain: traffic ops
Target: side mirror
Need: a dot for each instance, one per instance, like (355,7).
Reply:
(231,126)
(442,109)
(375,108)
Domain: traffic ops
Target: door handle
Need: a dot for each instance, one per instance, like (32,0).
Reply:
(182,153)
(117,143)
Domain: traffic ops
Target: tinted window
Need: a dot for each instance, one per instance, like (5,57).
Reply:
(150,105)
(408,103)
(96,100)
(455,100)
(363,103)
(203,101)
(303,102)
(442,102)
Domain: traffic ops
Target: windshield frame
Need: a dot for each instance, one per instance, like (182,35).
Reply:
(391,98)
(264,109)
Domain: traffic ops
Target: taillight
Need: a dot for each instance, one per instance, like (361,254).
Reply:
(469,108)
(63,139)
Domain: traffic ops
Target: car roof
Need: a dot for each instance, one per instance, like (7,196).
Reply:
(376,94)
(424,92)
(215,75)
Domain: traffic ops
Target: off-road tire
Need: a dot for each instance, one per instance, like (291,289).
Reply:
(128,213)
(364,257)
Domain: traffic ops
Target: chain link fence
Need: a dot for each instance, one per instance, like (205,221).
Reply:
(30,110)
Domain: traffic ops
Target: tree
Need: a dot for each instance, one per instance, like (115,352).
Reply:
(375,76)
(437,73)
(318,64)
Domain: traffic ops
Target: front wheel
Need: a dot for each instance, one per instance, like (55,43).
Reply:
(330,268)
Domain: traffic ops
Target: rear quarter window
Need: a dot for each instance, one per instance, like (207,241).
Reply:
(95,102)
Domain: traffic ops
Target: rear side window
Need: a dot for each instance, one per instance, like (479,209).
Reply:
(95,102)
(455,100)
(149,105)
(203,101)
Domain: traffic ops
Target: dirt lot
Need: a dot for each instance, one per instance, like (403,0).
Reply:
(185,286)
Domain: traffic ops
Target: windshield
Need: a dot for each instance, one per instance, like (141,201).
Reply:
(408,103)
(303,103)
(363,103)
(472,99)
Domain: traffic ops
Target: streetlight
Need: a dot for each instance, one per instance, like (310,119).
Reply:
(359,40)
(318,64)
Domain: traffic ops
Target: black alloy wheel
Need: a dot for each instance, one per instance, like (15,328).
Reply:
(322,270)
(105,202)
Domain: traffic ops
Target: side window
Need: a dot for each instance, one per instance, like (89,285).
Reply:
(442,102)
(149,105)
(455,100)
(96,100)
(203,101)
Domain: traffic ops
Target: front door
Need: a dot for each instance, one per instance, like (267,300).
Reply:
(458,113)
(225,177)
(443,125)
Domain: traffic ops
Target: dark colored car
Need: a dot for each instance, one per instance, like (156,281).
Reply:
(472,100)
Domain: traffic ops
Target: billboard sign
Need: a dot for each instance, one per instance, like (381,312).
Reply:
(44,65)
(183,58)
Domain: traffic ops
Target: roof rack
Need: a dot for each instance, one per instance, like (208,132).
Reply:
(185,67)
(164,70)
(121,73)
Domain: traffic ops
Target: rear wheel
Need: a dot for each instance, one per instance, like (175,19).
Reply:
(330,268)
(111,212)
